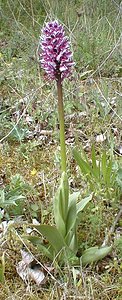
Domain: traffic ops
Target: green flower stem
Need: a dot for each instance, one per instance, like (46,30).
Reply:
(61,122)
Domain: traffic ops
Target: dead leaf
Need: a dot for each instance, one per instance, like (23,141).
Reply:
(37,275)
(100,138)
(29,270)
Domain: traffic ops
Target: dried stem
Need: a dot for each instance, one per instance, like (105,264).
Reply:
(112,228)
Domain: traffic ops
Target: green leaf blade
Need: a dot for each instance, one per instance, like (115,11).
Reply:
(94,163)
(84,166)
(94,254)
(80,205)
(52,235)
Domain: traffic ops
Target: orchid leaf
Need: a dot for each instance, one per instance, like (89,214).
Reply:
(74,196)
(94,254)
(46,251)
(80,205)
(71,217)
(36,240)
(72,241)
(65,195)
(61,205)
(71,257)
(58,214)
(71,238)
(52,235)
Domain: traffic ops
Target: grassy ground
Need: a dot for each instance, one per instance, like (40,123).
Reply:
(29,140)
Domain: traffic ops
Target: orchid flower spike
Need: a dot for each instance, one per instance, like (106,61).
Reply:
(54,52)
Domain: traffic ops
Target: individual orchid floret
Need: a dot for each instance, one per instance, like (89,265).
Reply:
(54,52)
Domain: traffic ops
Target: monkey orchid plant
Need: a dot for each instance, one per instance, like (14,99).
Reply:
(57,61)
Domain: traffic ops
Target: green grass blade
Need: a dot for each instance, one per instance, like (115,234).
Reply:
(95,168)
(108,176)
(84,166)
(104,165)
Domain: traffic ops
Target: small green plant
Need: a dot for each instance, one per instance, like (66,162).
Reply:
(18,134)
(11,196)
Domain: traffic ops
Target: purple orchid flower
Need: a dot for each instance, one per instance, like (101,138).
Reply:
(55,55)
